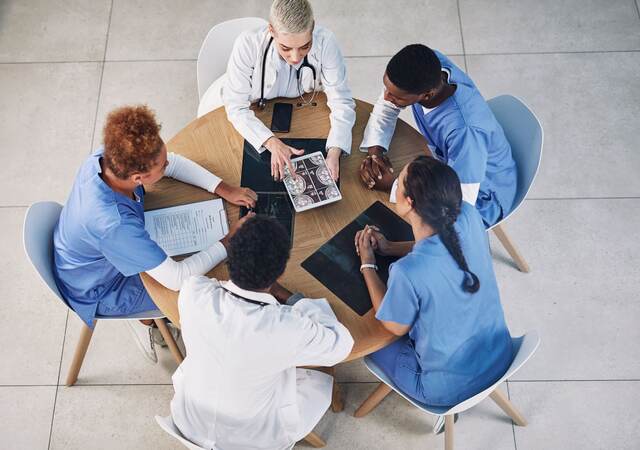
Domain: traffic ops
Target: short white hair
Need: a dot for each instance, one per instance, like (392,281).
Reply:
(291,16)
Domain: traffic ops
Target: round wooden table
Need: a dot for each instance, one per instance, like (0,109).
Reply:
(212,142)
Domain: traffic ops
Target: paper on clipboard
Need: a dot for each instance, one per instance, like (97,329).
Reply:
(190,228)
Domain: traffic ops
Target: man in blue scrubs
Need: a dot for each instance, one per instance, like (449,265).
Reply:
(456,122)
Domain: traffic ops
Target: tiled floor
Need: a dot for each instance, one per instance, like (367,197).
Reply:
(65,63)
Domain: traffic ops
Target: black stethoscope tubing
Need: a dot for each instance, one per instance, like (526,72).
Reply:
(305,63)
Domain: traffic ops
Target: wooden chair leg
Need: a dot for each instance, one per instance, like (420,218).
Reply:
(504,403)
(372,401)
(504,239)
(337,401)
(448,432)
(81,350)
(314,440)
(168,338)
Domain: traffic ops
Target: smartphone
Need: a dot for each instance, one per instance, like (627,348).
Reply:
(281,119)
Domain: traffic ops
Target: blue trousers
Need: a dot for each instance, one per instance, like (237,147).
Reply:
(399,362)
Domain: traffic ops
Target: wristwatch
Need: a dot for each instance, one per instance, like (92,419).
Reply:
(368,266)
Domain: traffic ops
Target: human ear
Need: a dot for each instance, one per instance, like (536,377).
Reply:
(136,178)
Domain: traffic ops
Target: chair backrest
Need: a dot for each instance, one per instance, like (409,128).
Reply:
(166,423)
(524,347)
(37,236)
(216,49)
(525,134)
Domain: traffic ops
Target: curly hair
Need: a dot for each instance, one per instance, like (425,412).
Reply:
(258,253)
(131,140)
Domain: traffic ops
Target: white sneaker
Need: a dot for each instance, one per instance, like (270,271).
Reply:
(159,339)
(143,336)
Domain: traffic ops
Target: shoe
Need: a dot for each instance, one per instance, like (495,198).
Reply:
(158,339)
(143,336)
(438,427)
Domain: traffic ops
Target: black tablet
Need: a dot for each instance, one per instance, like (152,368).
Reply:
(337,265)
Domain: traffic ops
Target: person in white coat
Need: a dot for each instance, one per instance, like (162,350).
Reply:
(239,386)
(294,58)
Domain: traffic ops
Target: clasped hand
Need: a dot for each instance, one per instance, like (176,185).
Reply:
(369,241)
(376,171)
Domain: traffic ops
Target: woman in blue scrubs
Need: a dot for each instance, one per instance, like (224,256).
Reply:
(100,243)
(442,298)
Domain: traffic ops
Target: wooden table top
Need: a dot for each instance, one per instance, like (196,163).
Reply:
(212,142)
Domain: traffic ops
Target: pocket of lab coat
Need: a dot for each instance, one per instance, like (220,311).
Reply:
(289,418)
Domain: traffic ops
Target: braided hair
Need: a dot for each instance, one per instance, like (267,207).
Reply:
(435,191)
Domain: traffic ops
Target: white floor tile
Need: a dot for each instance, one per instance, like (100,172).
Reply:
(53,30)
(171,29)
(584,415)
(25,416)
(381,28)
(581,293)
(111,417)
(499,26)
(168,87)
(47,113)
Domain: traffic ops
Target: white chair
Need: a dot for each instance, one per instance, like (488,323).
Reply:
(525,134)
(524,347)
(167,424)
(213,57)
(39,222)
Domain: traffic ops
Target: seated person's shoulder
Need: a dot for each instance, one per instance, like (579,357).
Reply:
(200,284)
(197,290)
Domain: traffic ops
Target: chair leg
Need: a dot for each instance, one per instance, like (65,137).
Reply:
(81,350)
(504,403)
(504,239)
(448,432)
(373,400)
(168,338)
(314,440)
(337,401)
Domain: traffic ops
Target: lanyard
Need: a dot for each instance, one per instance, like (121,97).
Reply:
(248,300)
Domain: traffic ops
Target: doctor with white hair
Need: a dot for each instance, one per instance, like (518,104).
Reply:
(291,57)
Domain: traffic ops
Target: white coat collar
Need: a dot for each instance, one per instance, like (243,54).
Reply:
(251,295)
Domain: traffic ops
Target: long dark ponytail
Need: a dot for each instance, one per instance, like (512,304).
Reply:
(435,191)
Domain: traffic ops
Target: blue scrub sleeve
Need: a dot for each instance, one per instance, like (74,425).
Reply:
(467,151)
(131,250)
(401,303)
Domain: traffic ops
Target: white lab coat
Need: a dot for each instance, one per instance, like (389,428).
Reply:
(240,86)
(238,387)
(381,124)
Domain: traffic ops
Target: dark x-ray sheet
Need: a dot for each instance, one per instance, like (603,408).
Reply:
(276,205)
(337,265)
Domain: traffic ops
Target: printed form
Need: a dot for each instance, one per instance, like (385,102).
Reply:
(185,229)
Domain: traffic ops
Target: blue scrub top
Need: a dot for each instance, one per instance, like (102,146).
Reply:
(100,247)
(464,134)
(460,340)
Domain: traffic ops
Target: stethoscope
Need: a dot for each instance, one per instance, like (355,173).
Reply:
(248,300)
(305,63)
